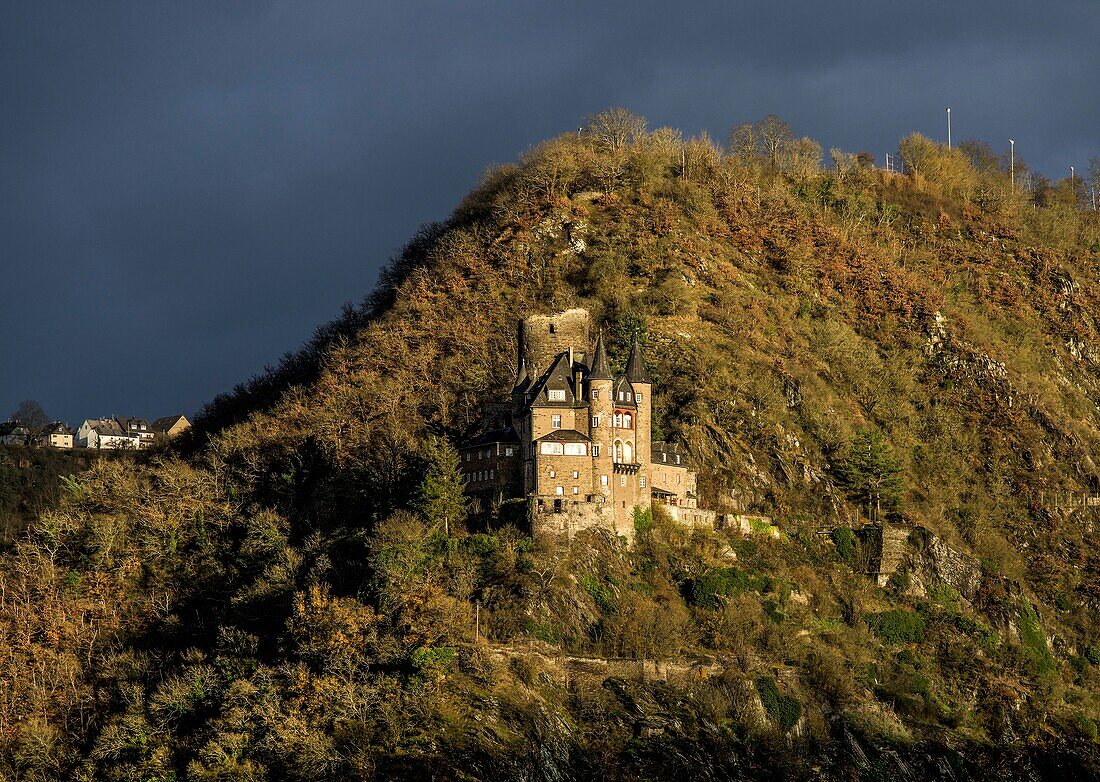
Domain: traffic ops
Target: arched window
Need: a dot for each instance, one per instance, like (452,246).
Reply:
(618,420)
(628,421)
(619,451)
(628,453)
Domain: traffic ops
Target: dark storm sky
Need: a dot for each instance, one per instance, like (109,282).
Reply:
(188,189)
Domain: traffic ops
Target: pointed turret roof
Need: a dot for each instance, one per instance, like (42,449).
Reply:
(523,380)
(601,367)
(635,365)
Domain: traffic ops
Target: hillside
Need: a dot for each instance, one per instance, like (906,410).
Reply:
(279,600)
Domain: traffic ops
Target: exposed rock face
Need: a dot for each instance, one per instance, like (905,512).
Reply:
(891,548)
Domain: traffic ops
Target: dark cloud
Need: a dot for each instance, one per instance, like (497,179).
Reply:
(189,189)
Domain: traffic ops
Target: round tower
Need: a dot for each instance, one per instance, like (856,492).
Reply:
(639,378)
(599,387)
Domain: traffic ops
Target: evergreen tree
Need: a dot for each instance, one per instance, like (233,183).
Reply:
(869,473)
(440,497)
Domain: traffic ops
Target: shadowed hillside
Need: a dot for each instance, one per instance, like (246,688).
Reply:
(281,601)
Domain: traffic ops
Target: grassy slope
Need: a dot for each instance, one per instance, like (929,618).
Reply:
(261,612)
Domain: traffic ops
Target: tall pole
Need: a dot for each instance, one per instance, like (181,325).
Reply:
(949,128)
(1012,163)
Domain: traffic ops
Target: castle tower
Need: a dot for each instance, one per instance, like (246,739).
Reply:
(639,378)
(599,392)
(542,338)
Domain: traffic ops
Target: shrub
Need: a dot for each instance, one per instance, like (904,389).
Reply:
(845,541)
(705,590)
(784,709)
(898,626)
(1034,639)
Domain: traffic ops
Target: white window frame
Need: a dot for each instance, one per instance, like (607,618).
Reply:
(553,473)
(603,480)
(576,449)
(595,450)
(643,481)
(638,398)
(576,491)
(595,422)
(555,394)
(576,474)
(555,422)
(559,491)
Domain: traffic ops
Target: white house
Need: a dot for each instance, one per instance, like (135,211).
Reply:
(105,433)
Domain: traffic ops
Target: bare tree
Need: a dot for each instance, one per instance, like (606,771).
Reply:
(775,136)
(614,128)
(742,142)
(30,414)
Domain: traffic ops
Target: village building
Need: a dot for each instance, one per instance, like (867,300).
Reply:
(13,433)
(574,442)
(139,428)
(170,426)
(105,433)
(55,435)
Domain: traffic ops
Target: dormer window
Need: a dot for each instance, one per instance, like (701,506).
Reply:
(556,394)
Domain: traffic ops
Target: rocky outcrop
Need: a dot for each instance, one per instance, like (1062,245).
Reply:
(916,555)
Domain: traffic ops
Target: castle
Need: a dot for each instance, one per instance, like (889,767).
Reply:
(574,441)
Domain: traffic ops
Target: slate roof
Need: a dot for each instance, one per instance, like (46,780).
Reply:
(558,377)
(601,368)
(506,435)
(635,365)
(565,436)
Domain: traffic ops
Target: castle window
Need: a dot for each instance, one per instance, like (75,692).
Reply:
(576,491)
(643,481)
(479,456)
(551,448)
(628,421)
(559,490)
(628,453)
(664,457)
(603,480)
(595,450)
(576,474)
(556,394)
(618,452)
(595,421)
(468,455)
(677,458)
(555,421)
(575,449)
(507,451)
(638,398)
(622,483)
(551,328)
(618,420)
(595,394)
(553,474)
(493,474)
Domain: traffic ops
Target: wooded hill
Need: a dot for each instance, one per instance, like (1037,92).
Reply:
(279,599)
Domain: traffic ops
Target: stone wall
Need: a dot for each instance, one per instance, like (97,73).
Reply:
(543,337)
(890,547)
(693,518)
(562,518)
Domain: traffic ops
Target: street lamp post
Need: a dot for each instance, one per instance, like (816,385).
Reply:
(949,128)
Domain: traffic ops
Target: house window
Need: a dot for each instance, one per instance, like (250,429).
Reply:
(575,449)
(595,450)
(556,394)
(603,480)
(553,474)
(576,491)
(576,474)
(559,490)
(555,421)
(551,448)
(643,481)
(595,421)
